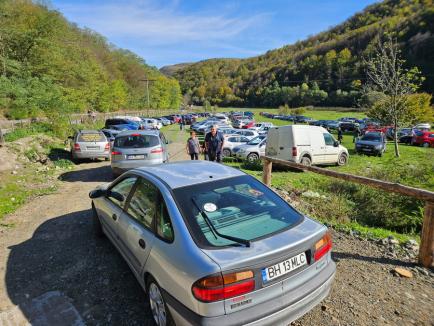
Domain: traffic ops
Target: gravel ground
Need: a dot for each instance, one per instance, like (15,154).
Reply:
(52,248)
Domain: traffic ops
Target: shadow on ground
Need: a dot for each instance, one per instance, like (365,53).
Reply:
(63,255)
(338,256)
(94,174)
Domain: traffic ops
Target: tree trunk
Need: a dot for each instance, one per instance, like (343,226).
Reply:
(2,139)
(395,139)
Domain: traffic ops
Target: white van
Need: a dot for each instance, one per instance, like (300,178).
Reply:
(306,145)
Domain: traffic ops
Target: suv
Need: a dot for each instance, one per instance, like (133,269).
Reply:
(136,148)
(373,143)
(89,144)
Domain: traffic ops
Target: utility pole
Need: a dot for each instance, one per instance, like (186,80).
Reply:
(147,92)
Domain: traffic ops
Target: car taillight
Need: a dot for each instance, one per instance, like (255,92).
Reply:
(107,147)
(323,246)
(294,151)
(157,150)
(220,287)
(77,147)
(116,153)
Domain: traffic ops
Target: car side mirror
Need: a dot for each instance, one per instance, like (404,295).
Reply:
(116,195)
(97,193)
(336,143)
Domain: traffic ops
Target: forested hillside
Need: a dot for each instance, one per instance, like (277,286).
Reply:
(326,69)
(48,64)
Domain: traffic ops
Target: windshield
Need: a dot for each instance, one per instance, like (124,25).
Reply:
(136,141)
(239,207)
(372,137)
(91,137)
(256,140)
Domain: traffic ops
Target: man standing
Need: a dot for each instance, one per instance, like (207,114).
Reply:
(340,135)
(214,141)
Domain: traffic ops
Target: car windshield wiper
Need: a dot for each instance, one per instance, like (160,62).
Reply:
(214,230)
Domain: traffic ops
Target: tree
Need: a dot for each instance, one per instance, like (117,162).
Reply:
(386,74)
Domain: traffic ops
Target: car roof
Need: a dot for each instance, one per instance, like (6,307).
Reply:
(186,173)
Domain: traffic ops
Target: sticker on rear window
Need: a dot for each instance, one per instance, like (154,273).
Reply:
(209,207)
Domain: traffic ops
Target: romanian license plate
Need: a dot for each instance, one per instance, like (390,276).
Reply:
(136,157)
(284,267)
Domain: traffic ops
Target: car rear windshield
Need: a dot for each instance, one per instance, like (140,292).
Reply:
(91,137)
(240,207)
(136,141)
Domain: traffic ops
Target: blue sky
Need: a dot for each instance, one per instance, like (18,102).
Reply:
(175,31)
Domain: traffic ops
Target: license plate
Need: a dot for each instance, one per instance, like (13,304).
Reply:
(136,157)
(92,147)
(366,149)
(284,267)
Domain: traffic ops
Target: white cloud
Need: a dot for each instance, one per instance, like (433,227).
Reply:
(160,24)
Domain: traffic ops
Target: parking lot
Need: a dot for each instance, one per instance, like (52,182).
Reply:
(55,270)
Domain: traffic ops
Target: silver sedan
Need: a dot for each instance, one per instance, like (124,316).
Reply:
(213,246)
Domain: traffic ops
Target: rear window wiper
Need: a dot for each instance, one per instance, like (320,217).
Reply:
(214,230)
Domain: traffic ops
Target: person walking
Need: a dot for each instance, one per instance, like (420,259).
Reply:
(214,142)
(193,146)
(340,135)
(356,133)
(181,123)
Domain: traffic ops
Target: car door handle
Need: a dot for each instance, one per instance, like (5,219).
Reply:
(142,243)
(114,217)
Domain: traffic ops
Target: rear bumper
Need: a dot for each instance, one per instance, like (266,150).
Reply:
(119,167)
(279,311)
(84,155)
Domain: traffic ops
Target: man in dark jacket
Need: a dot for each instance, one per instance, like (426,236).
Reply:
(214,141)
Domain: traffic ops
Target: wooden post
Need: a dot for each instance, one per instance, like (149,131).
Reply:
(426,250)
(2,138)
(266,177)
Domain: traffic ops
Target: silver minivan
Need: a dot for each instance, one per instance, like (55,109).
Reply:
(136,148)
(214,246)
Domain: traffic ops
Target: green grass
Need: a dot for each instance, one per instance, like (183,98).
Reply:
(349,206)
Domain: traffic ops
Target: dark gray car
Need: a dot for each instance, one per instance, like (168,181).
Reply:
(135,148)
(372,143)
(214,246)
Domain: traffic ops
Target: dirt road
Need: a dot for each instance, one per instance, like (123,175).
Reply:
(53,271)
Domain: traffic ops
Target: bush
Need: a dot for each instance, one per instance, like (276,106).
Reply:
(252,165)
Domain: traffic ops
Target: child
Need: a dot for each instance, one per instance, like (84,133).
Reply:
(193,146)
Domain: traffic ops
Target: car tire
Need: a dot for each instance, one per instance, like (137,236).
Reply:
(342,159)
(159,309)
(426,145)
(252,157)
(97,227)
(226,152)
(306,161)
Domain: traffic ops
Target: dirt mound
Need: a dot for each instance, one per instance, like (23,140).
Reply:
(8,159)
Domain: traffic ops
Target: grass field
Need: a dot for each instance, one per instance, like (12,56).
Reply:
(346,205)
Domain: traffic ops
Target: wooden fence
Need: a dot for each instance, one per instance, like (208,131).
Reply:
(426,250)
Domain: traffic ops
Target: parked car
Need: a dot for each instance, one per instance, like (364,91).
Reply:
(348,126)
(110,135)
(249,124)
(423,126)
(127,123)
(207,127)
(423,138)
(252,150)
(372,143)
(128,126)
(305,144)
(332,125)
(225,250)
(132,149)
(228,131)
(248,133)
(164,121)
(302,119)
(262,126)
(89,144)
(232,141)
(240,123)
(151,123)
(405,135)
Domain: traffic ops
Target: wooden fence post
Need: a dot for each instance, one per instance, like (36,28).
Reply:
(2,138)
(426,250)
(266,176)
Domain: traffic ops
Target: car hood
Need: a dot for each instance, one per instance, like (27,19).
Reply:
(283,244)
(367,142)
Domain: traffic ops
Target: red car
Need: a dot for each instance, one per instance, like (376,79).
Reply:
(249,125)
(424,138)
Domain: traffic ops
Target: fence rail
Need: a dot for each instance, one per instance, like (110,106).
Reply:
(426,250)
